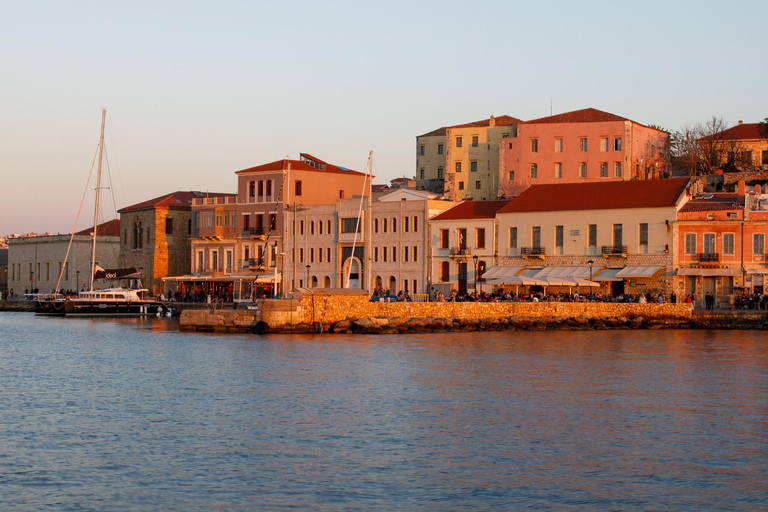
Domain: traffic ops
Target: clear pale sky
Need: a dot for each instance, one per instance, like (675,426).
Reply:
(195,90)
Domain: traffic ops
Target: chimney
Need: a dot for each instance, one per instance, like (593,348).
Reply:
(741,188)
(492,122)
(741,122)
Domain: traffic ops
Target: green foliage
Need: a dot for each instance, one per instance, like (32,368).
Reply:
(763,128)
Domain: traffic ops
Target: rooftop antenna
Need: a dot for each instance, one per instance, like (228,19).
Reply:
(550,105)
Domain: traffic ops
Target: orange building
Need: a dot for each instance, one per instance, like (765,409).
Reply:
(577,147)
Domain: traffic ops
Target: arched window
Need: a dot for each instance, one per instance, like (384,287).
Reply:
(392,285)
(326,282)
(319,227)
(135,235)
(311,227)
(383,225)
(141,237)
(314,281)
(378,282)
(328,225)
(375,225)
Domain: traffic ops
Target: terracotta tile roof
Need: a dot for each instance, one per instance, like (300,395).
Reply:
(587,115)
(436,133)
(180,200)
(473,210)
(607,195)
(109,228)
(499,121)
(744,131)
(713,202)
(301,165)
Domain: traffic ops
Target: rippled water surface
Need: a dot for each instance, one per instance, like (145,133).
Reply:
(131,414)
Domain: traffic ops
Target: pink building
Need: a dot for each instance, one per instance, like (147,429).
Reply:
(580,146)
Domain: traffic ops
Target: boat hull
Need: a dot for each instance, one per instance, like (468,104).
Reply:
(50,307)
(80,307)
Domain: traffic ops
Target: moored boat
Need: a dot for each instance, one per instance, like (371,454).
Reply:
(114,302)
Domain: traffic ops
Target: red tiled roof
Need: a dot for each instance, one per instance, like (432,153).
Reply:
(587,115)
(744,131)
(498,121)
(435,133)
(473,210)
(609,195)
(109,228)
(180,200)
(298,165)
(717,201)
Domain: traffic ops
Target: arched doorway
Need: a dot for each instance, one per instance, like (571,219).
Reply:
(351,268)
(326,282)
(314,281)
(392,285)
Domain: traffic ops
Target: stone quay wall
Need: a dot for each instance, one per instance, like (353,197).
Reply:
(319,312)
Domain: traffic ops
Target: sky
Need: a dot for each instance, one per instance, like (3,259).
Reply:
(196,91)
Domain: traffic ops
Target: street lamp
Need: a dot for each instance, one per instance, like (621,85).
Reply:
(590,263)
(274,262)
(475,258)
(308,267)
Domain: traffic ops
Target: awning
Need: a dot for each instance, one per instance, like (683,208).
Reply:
(757,271)
(517,281)
(263,278)
(712,272)
(500,271)
(608,274)
(637,272)
(530,272)
(572,271)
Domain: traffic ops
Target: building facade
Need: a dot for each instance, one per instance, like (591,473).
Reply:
(580,147)
(741,147)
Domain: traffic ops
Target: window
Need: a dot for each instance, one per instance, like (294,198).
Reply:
(558,145)
(251,189)
(617,235)
(328,226)
(375,254)
(405,224)
(421,174)
(350,225)
(510,145)
(311,227)
(765,157)
(311,254)
(415,224)
(444,271)
(534,171)
(583,144)
(301,255)
(558,170)
(319,255)
(458,142)
(534,145)
(617,144)
(439,149)
(617,169)
(461,185)
(269,188)
(462,236)
(477,185)
(341,194)
(319,227)
(422,150)
(558,239)
(297,187)
(215,260)
(443,238)
(758,244)
(643,241)
(301,227)
(480,238)
(592,236)
(690,243)
(415,253)
(260,188)
(536,236)
(394,254)
(583,169)
(405,254)
(728,243)
(394,224)
(513,240)
(384,225)
(168,226)
(604,145)
(511,175)
(440,173)
(328,254)
(458,166)
(709,243)
(603,169)
(474,141)
(473,166)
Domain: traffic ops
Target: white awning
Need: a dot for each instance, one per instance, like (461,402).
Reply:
(608,274)
(500,271)
(712,272)
(757,271)
(637,272)
(263,278)
(517,281)
(572,271)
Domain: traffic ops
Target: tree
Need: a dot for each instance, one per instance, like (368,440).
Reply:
(700,147)
(762,127)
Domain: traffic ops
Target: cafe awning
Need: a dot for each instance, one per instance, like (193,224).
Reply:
(637,272)
(567,271)
(709,272)
(608,274)
(262,278)
(498,272)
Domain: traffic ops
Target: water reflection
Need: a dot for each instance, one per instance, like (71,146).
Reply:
(132,414)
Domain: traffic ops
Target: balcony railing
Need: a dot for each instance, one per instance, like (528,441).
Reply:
(533,251)
(255,231)
(461,251)
(251,263)
(708,257)
(614,250)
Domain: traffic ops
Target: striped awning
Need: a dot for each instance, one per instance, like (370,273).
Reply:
(637,272)
(711,272)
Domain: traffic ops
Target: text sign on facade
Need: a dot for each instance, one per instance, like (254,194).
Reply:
(575,232)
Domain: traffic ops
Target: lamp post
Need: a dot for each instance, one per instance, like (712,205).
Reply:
(274,262)
(474,259)
(308,267)
(590,263)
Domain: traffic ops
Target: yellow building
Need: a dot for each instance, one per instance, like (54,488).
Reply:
(462,161)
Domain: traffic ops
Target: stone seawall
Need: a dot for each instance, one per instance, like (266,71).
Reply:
(319,312)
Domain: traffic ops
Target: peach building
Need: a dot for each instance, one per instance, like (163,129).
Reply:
(580,147)
(743,146)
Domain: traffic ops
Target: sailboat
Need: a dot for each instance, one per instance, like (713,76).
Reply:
(107,302)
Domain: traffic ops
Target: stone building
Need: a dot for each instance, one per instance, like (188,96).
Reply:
(156,236)
(741,147)
(37,261)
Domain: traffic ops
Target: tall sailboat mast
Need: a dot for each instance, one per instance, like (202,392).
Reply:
(98,194)
(369,223)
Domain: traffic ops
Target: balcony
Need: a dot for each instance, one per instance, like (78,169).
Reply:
(254,232)
(614,250)
(533,252)
(252,264)
(708,257)
(461,252)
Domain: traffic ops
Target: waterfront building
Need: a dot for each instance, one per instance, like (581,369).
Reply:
(462,161)
(616,233)
(582,146)
(741,147)
(156,236)
(464,241)
(720,245)
(37,261)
